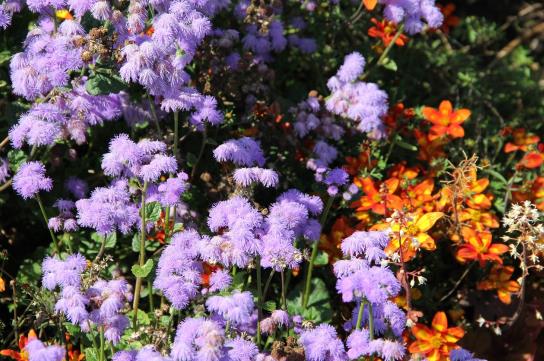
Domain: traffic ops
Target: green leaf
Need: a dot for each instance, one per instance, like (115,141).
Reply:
(142,271)
(153,211)
(5,56)
(178,227)
(16,158)
(319,308)
(496,175)
(103,83)
(111,239)
(143,318)
(90,353)
(191,159)
(322,259)
(269,306)
(136,242)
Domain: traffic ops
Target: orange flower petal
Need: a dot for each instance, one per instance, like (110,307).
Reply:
(370,4)
(440,321)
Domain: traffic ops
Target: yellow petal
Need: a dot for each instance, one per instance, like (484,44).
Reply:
(428,220)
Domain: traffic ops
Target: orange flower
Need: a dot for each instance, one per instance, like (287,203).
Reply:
(375,200)
(419,197)
(363,161)
(499,279)
(413,234)
(435,342)
(63,14)
(429,150)
(386,30)
(22,355)
(450,20)
(370,4)
(402,172)
(533,159)
(2,285)
(478,247)
(207,271)
(532,191)
(445,120)
(478,220)
(522,141)
(160,234)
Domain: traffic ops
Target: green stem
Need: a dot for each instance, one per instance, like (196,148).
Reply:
(315,247)
(283,300)
(370,321)
(101,250)
(102,344)
(267,284)
(53,237)
(166,223)
(93,338)
(260,300)
(154,114)
(391,45)
(360,315)
(141,260)
(150,293)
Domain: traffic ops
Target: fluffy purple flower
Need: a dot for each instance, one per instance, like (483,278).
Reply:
(357,344)
(242,152)
(237,308)
(56,272)
(241,350)
(198,339)
(413,12)
(160,164)
(170,191)
(354,65)
(30,179)
(322,344)
(392,350)
(125,355)
(367,244)
(336,176)
(220,280)
(178,271)
(376,284)
(246,176)
(108,209)
(66,218)
(37,351)
(73,303)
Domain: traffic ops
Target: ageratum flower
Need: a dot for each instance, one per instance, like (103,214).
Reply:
(322,344)
(241,350)
(108,209)
(178,271)
(237,308)
(56,272)
(361,102)
(198,339)
(170,191)
(413,13)
(37,351)
(66,218)
(30,179)
(242,152)
(220,280)
(246,176)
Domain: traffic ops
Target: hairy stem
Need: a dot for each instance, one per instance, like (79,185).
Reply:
(46,219)
(315,247)
(141,260)
(360,315)
(260,299)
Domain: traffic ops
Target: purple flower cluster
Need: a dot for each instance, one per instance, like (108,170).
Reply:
(359,101)
(278,318)
(37,351)
(158,61)
(242,152)
(414,13)
(237,308)
(461,354)
(199,339)
(311,116)
(145,159)
(100,304)
(108,209)
(30,179)
(322,344)
(363,280)
(66,219)
(67,116)
(178,271)
(244,177)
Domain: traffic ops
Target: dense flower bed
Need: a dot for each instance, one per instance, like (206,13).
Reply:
(267,180)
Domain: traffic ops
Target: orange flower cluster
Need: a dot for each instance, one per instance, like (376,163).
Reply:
(500,279)
(435,342)
(387,32)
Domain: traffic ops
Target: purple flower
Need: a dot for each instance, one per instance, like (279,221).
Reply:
(241,350)
(354,65)
(246,176)
(336,176)
(322,344)
(125,355)
(170,191)
(376,284)
(108,209)
(160,164)
(30,179)
(219,280)
(63,273)
(198,339)
(357,343)
(37,351)
(236,308)
(367,244)
(73,304)
(178,271)
(242,152)
(461,354)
